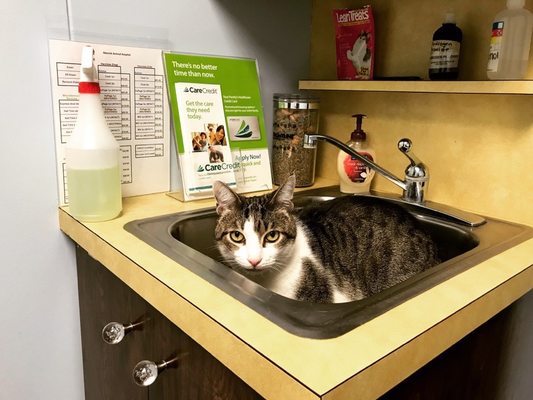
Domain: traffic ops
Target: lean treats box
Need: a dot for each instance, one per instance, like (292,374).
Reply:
(354,35)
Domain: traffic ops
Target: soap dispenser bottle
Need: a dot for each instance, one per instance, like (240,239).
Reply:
(92,154)
(355,177)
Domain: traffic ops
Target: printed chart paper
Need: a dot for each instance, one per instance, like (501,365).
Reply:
(135,104)
(219,123)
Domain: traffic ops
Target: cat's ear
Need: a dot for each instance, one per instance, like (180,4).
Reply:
(226,198)
(283,196)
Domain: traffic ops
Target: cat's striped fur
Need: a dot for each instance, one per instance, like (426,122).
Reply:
(341,250)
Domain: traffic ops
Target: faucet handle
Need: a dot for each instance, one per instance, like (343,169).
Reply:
(416,168)
(416,174)
(404,145)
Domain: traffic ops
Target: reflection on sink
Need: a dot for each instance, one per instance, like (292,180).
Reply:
(188,238)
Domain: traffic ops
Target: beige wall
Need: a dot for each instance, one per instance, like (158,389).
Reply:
(404,30)
(479,148)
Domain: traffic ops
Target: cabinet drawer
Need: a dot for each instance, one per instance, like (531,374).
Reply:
(108,368)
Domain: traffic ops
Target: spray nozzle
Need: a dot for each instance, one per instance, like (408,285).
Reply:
(87,57)
(87,71)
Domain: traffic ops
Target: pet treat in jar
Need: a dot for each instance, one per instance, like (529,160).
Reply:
(294,116)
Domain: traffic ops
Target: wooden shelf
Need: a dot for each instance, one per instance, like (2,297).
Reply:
(524,87)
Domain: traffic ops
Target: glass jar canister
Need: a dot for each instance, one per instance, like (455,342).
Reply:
(294,116)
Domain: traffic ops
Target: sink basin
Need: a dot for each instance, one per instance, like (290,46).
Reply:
(188,238)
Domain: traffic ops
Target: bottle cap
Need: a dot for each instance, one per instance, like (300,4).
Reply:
(514,4)
(449,18)
(359,134)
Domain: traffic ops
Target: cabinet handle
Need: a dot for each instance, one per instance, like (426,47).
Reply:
(114,332)
(146,372)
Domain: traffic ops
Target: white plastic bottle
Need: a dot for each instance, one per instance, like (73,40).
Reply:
(355,176)
(510,41)
(92,154)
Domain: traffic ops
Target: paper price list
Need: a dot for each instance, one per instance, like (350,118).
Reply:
(133,95)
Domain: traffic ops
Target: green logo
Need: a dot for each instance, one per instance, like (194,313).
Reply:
(200,169)
(244,131)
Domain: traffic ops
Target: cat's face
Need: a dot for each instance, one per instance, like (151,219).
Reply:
(255,233)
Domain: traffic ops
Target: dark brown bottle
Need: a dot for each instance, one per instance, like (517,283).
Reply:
(445,49)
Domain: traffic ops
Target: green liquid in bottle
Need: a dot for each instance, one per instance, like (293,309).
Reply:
(94,194)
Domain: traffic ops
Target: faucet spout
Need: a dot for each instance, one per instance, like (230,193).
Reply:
(414,184)
(416,178)
(310,142)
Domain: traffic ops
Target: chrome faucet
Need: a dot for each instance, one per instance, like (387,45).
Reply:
(415,183)
(416,174)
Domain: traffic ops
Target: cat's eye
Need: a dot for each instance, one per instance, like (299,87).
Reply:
(272,236)
(236,236)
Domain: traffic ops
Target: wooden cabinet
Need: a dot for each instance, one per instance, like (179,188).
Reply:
(103,299)
(481,365)
(108,368)
(477,367)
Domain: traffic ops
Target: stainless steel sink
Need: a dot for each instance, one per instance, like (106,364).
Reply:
(188,238)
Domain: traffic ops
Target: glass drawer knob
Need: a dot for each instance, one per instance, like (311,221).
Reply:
(146,372)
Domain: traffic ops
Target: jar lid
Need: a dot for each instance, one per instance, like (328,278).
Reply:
(296,101)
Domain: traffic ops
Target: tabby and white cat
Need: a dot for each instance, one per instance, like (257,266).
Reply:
(341,250)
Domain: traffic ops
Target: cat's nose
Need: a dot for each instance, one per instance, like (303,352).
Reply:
(254,262)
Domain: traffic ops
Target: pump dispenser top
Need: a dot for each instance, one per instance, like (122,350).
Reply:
(358,135)
(92,154)
(354,176)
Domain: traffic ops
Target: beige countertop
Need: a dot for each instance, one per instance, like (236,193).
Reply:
(363,363)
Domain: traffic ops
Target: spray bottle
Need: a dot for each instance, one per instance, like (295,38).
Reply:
(92,154)
(355,177)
